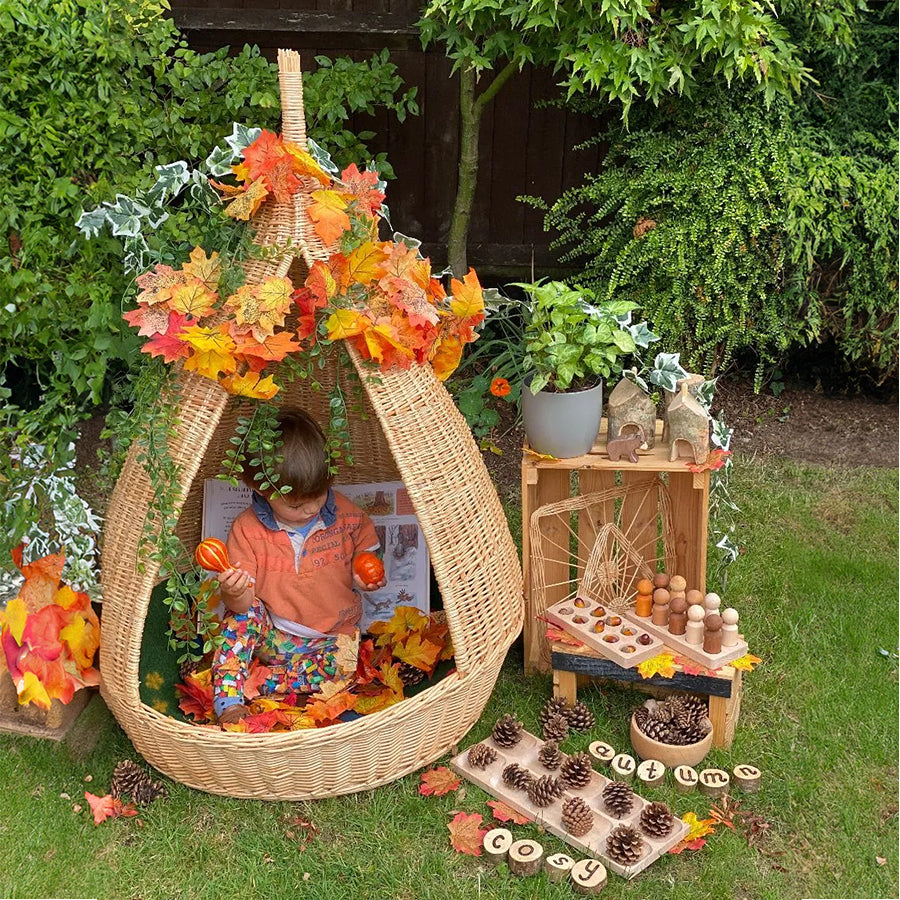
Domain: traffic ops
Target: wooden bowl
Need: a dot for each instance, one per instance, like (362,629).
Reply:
(669,755)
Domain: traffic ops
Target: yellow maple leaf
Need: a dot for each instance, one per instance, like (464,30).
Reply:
(698,827)
(746,663)
(243,205)
(381,338)
(251,384)
(13,617)
(275,293)
(446,356)
(365,264)
(304,164)
(212,350)
(418,652)
(328,213)
(193,299)
(344,323)
(206,269)
(406,619)
(662,664)
(82,639)
(467,301)
(30,690)
(261,306)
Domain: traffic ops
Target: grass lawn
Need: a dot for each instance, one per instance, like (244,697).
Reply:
(817,591)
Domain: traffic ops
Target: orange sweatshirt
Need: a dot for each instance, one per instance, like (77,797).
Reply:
(317,591)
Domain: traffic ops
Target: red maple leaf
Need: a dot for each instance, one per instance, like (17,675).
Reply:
(196,699)
(167,345)
(255,680)
(504,813)
(439,781)
(281,180)
(364,187)
(716,460)
(262,155)
(108,807)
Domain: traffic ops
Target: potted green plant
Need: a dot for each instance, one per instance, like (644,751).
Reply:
(573,341)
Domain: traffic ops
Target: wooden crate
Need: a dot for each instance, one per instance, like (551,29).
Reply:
(722,689)
(546,481)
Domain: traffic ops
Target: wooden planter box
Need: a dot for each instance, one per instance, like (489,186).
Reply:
(50,723)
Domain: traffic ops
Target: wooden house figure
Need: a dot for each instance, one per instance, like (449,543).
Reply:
(631,411)
(694,383)
(688,427)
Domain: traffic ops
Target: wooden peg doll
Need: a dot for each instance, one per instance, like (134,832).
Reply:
(643,602)
(712,635)
(730,627)
(677,585)
(693,633)
(660,580)
(677,615)
(660,615)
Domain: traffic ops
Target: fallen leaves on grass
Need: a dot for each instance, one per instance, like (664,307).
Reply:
(108,807)
(504,813)
(439,781)
(695,838)
(466,834)
(726,811)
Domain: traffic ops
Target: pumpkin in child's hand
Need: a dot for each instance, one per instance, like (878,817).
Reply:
(368,567)
(212,555)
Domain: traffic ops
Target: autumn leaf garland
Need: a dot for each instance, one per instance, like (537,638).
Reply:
(380,296)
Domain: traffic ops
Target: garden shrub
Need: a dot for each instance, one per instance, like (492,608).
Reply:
(739,227)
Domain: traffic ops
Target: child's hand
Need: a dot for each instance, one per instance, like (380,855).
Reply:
(233,583)
(362,586)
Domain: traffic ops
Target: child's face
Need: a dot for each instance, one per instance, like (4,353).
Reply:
(292,511)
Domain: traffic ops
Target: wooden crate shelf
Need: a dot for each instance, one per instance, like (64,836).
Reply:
(546,481)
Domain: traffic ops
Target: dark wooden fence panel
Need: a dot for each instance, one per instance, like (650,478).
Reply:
(524,149)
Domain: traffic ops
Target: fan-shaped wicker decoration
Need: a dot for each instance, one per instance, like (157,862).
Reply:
(413,432)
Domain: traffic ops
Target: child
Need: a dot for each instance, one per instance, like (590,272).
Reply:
(291,589)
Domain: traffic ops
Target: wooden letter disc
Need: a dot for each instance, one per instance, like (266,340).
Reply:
(557,866)
(652,772)
(525,857)
(602,752)
(496,844)
(685,779)
(623,767)
(714,782)
(747,777)
(588,876)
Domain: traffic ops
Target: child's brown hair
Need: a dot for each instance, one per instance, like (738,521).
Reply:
(304,465)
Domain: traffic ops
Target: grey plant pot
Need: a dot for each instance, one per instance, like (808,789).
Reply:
(562,424)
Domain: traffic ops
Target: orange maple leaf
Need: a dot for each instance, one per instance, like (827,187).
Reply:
(148,320)
(445,356)
(365,264)
(465,834)
(168,344)
(193,299)
(364,188)
(157,284)
(467,299)
(418,652)
(281,180)
(322,284)
(250,384)
(411,299)
(438,781)
(41,581)
(327,711)
(108,807)
(382,343)
(243,205)
(258,354)
(197,696)
(262,155)
(328,212)
(504,813)
(662,664)
(203,268)
(255,679)
(694,839)
(716,460)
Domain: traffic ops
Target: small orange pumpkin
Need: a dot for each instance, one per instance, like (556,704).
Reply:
(212,555)
(368,567)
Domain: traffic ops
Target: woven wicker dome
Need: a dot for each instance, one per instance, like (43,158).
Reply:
(414,433)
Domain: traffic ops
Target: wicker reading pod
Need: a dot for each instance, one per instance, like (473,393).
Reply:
(412,432)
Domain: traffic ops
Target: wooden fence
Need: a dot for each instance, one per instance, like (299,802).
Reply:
(524,149)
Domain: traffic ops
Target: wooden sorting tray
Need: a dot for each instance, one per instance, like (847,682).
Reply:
(695,652)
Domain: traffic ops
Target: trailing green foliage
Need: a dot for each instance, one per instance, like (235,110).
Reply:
(738,227)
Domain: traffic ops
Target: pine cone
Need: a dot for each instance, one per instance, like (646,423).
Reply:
(658,731)
(555,706)
(618,799)
(663,713)
(544,790)
(130,780)
(694,732)
(577,817)
(517,777)
(641,715)
(549,755)
(507,732)
(580,717)
(695,706)
(657,820)
(624,845)
(481,756)
(556,728)
(410,675)
(576,770)
(188,667)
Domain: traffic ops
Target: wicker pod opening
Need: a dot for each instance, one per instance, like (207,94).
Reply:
(412,432)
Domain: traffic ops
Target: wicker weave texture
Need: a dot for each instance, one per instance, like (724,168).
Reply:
(412,430)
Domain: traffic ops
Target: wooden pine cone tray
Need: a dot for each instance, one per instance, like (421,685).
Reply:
(620,640)
(695,652)
(525,753)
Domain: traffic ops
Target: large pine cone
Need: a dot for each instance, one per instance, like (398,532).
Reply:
(517,777)
(130,780)
(580,717)
(694,706)
(507,732)
(555,706)
(624,845)
(659,731)
(556,728)
(641,715)
(576,770)
(577,817)
(549,755)
(410,675)
(544,790)
(481,756)
(694,732)
(657,820)
(618,799)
